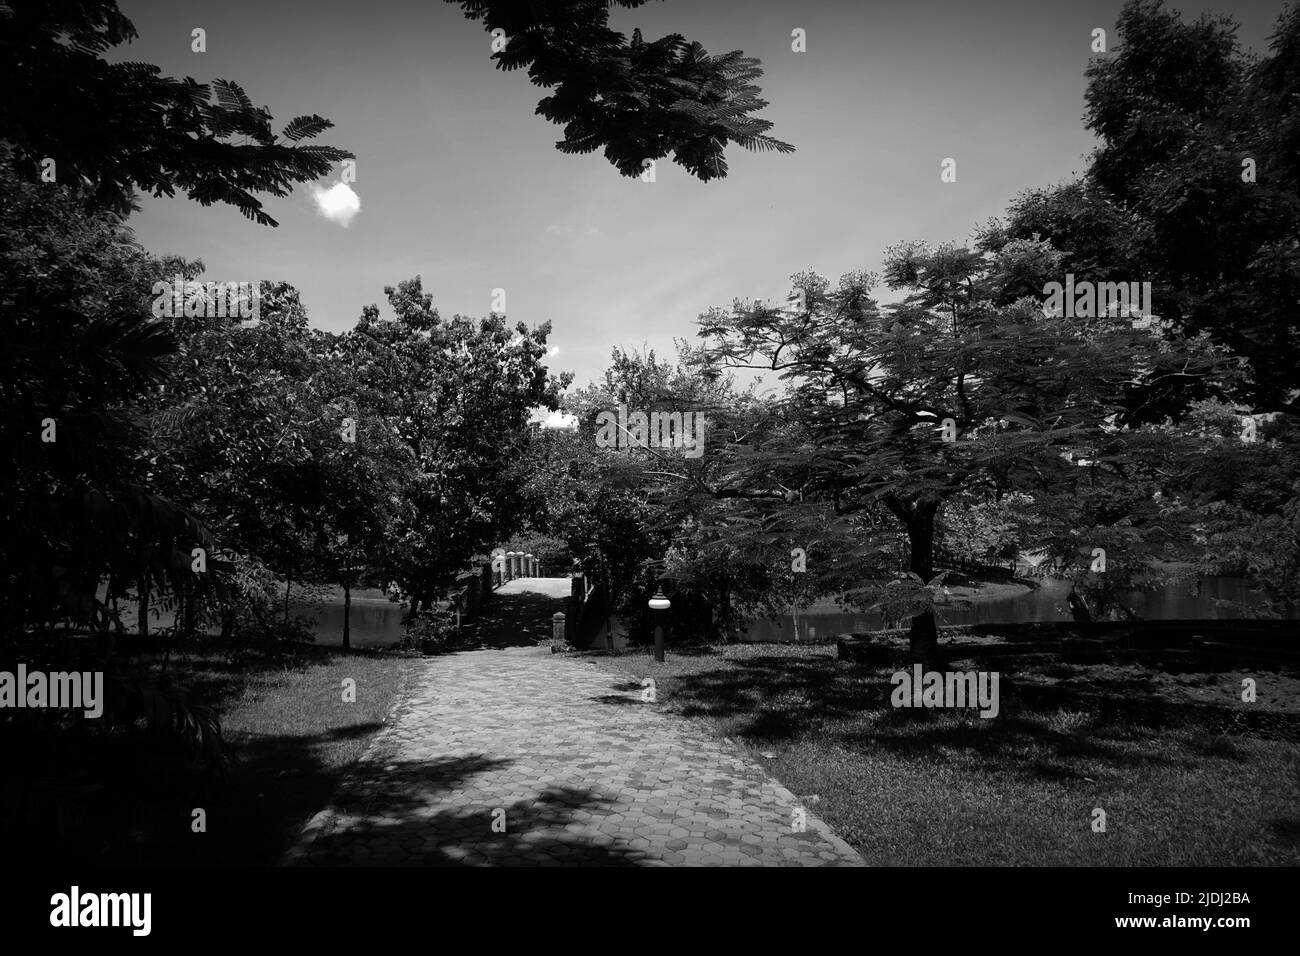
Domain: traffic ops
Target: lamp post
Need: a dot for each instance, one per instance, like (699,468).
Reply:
(659,606)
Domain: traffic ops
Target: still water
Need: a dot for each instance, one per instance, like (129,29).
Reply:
(377,622)
(1172,602)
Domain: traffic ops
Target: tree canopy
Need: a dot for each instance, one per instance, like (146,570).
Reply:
(112,129)
(1193,187)
(637,100)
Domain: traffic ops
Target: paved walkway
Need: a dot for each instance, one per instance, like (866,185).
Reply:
(516,758)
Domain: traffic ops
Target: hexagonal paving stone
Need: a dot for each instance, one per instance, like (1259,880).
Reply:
(581,783)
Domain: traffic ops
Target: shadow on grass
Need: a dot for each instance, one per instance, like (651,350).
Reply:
(146,791)
(1108,719)
(1286,830)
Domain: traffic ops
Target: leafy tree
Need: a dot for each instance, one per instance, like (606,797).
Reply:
(235,433)
(365,469)
(1032,401)
(982,530)
(637,100)
(1246,493)
(80,349)
(112,129)
(458,393)
(637,514)
(1193,187)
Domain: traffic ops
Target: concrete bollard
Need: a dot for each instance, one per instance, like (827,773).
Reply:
(557,626)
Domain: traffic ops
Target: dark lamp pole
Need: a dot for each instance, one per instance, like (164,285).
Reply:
(659,606)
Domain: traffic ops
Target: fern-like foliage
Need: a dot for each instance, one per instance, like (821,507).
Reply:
(115,129)
(637,100)
(164,708)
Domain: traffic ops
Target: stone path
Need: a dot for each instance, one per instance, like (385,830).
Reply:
(515,758)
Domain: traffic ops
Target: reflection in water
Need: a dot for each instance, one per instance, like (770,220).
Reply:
(1046,604)
(377,621)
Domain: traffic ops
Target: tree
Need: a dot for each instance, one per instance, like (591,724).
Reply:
(112,129)
(80,349)
(635,514)
(459,393)
(1246,489)
(1193,187)
(365,468)
(236,432)
(950,392)
(637,100)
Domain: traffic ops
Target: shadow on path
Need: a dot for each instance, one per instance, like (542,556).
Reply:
(402,820)
(518,615)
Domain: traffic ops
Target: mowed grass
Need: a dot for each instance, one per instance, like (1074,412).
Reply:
(946,788)
(293,736)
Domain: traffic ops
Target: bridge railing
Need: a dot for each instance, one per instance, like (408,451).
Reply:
(508,565)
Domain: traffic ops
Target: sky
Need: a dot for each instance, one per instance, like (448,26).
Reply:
(459,182)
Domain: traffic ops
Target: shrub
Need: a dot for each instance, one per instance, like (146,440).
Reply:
(430,633)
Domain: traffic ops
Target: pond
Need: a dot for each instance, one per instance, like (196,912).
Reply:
(1172,602)
(377,621)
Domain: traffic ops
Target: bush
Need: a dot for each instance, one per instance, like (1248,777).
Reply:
(430,633)
(298,629)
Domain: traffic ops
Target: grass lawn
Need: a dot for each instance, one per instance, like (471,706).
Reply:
(293,737)
(1179,787)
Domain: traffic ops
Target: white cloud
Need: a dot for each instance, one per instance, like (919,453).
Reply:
(338,203)
(560,420)
(553,351)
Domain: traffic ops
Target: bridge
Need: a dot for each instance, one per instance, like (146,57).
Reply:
(511,602)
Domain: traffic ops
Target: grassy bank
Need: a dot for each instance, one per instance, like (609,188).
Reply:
(292,736)
(943,787)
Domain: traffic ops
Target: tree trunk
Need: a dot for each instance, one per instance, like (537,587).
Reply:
(347,595)
(142,623)
(191,610)
(112,600)
(723,627)
(918,518)
(1078,608)
(608,598)
(288,583)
